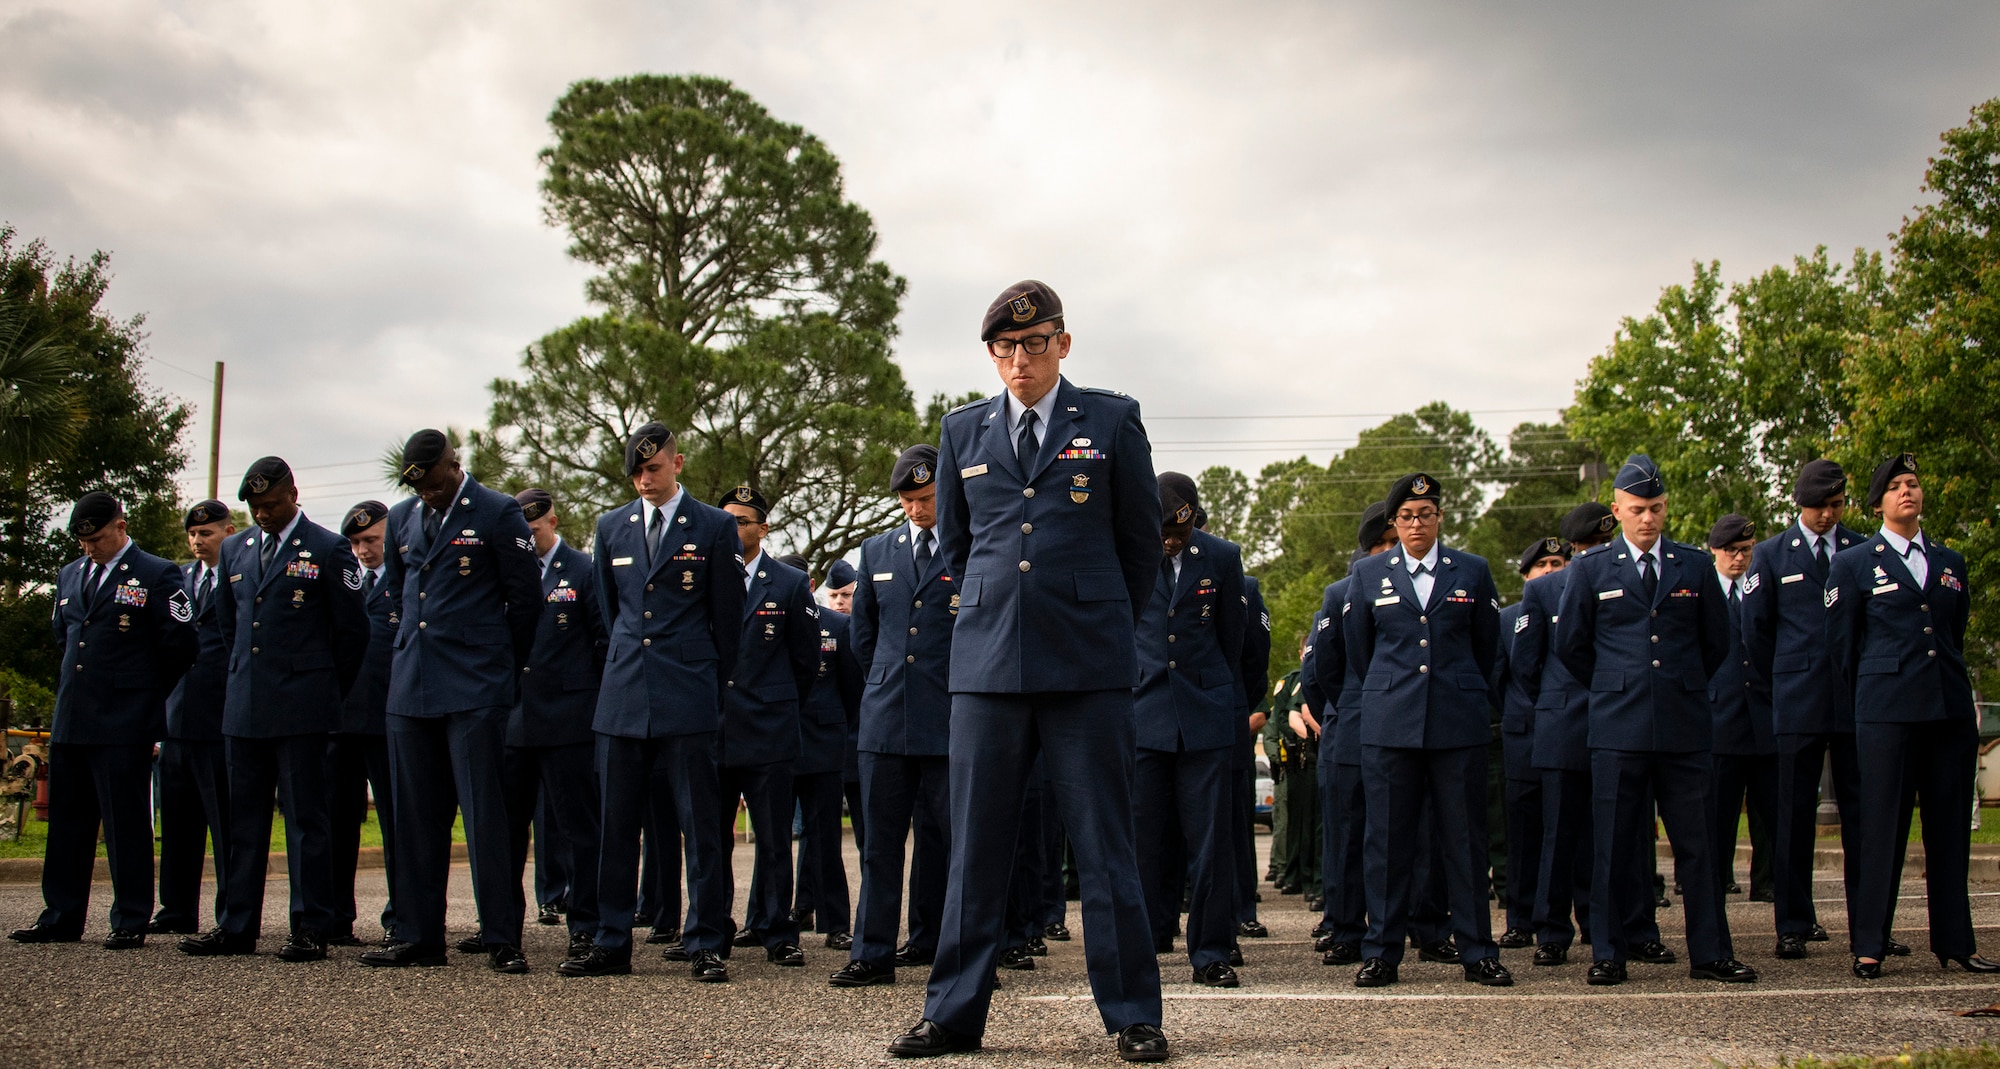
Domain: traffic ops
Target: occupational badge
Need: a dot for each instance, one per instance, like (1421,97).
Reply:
(124,622)
(1079,488)
(687,580)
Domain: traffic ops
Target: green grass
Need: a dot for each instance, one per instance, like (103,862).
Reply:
(35,837)
(1980,1057)
(1987,832)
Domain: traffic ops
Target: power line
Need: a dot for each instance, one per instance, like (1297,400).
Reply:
(1362,415)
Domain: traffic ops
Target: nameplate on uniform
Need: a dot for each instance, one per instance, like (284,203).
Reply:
(884,576)
(619,562)
(1607,595)
(1792,578)
(976,469)
(1885,588)
(1390,600)
(237,578)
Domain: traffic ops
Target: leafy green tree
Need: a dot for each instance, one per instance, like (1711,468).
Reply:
(1542,481)
(1226,497)
(39,416)
(1926,380)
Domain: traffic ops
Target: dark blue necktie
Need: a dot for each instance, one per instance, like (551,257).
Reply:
(1025,445)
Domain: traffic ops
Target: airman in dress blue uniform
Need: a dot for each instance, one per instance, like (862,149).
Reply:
(1897,607)
(1049,520)
(292,616)
(904,607)
(1746,752)
(1187,703)
(1644,622)
(776,664)
(126,630)
(1421,627)
(1784,624)
(1523,781)
(462,560)
(820,897)
(551,754)
(358,753)
(670,577)
(194,779)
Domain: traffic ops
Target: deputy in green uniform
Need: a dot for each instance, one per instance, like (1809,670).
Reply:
(1295,798)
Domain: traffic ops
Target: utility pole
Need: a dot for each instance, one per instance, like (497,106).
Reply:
(215,435)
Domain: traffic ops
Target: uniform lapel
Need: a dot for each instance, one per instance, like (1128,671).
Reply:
(1399,578)
(286,551)
(996,444)
(93,599)
(1441,579)
(555,571)
(754,598)
(672,537)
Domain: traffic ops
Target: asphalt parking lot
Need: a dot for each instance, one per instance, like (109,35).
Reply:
(79,1005)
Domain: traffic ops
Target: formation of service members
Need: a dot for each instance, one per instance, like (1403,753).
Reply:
(1050,656)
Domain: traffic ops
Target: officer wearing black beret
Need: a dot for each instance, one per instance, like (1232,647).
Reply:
(1421,627)
(358,754)
(462,562)
(1746,751)
(1048,518)
(1521,781)
(126,630)
(1897,607)
(194,781)
(1645,623)
(670,577)
(904,609)
(1784,626)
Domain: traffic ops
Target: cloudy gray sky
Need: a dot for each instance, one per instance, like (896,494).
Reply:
(1251,210)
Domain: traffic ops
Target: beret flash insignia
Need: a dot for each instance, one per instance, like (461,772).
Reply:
(1184,514)
(1421,486)
(1606,524)
(258,483)
(743,494)
(1551,545)
(920,474)
(646,448)
(1023,308)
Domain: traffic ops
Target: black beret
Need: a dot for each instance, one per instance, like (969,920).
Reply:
(1540,548)
(746,495)
(1886,472)
(94,511)
(535,503)
(424,451)
(916,468)
(795,560)
(262,476)
(840,574)
(644,443)
(210,511)
(1640,477)
(1178,499)
(1415,486)
(1590,522)
(1734,527)
(1022,304)
(361,517)
(1374,524)
(1818,480)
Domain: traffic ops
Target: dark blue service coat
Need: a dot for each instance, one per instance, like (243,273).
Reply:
(560,681)
(902,635)
(124,649)
(1424,671)
(1190,645)
(297,632)
(1784,628)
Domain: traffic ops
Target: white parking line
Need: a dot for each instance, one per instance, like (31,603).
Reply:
(1342,996)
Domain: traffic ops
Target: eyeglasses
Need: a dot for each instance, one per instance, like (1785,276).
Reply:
(746,521)
(1732,551)
(1417,519)
(1033,345)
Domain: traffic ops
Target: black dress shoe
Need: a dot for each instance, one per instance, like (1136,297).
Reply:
(159,927)
(1654,954)
(1162,947)
(1867,970)
(1817,934)
(839,941)
(1288,888)
(1895,949)
(1732,888)
(302,946)
(1315,904)
(44,933)
(674,951)
(1253,930)
(1604,973)
(746,938)
(579,945)
(1728,971)
(1968,962)
(1375,972)
(217,943)
(1057,931)
(1037,946)
(663,936)
(803,918)
(471,944)
(1490,972)
(1142,1043)
(548,914)
(1218,974)
(507,959)
(1790,947)
(598,962)
(1440,951)
(929,1039)
(1017,958)
(706,967)
(1341,954)
(404,955)
(786,954)
(1516,938)
(1323,941)
(1765,895)
(1661,901)
(861,974)
(910,955)
(1551,954)
(130,939)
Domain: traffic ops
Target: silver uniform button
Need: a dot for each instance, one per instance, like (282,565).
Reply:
(916,605)
(1424,643)
(913,631)
(421,624)
(1025,566)
(910,658)
(1656,664)
(1173,638)
(1930,653)
(1423,619)
(1171,664)
(254,649)
(1656,639)
(1423,669)
(645,642)
(1028,492)
(1027,528)
(649,614)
